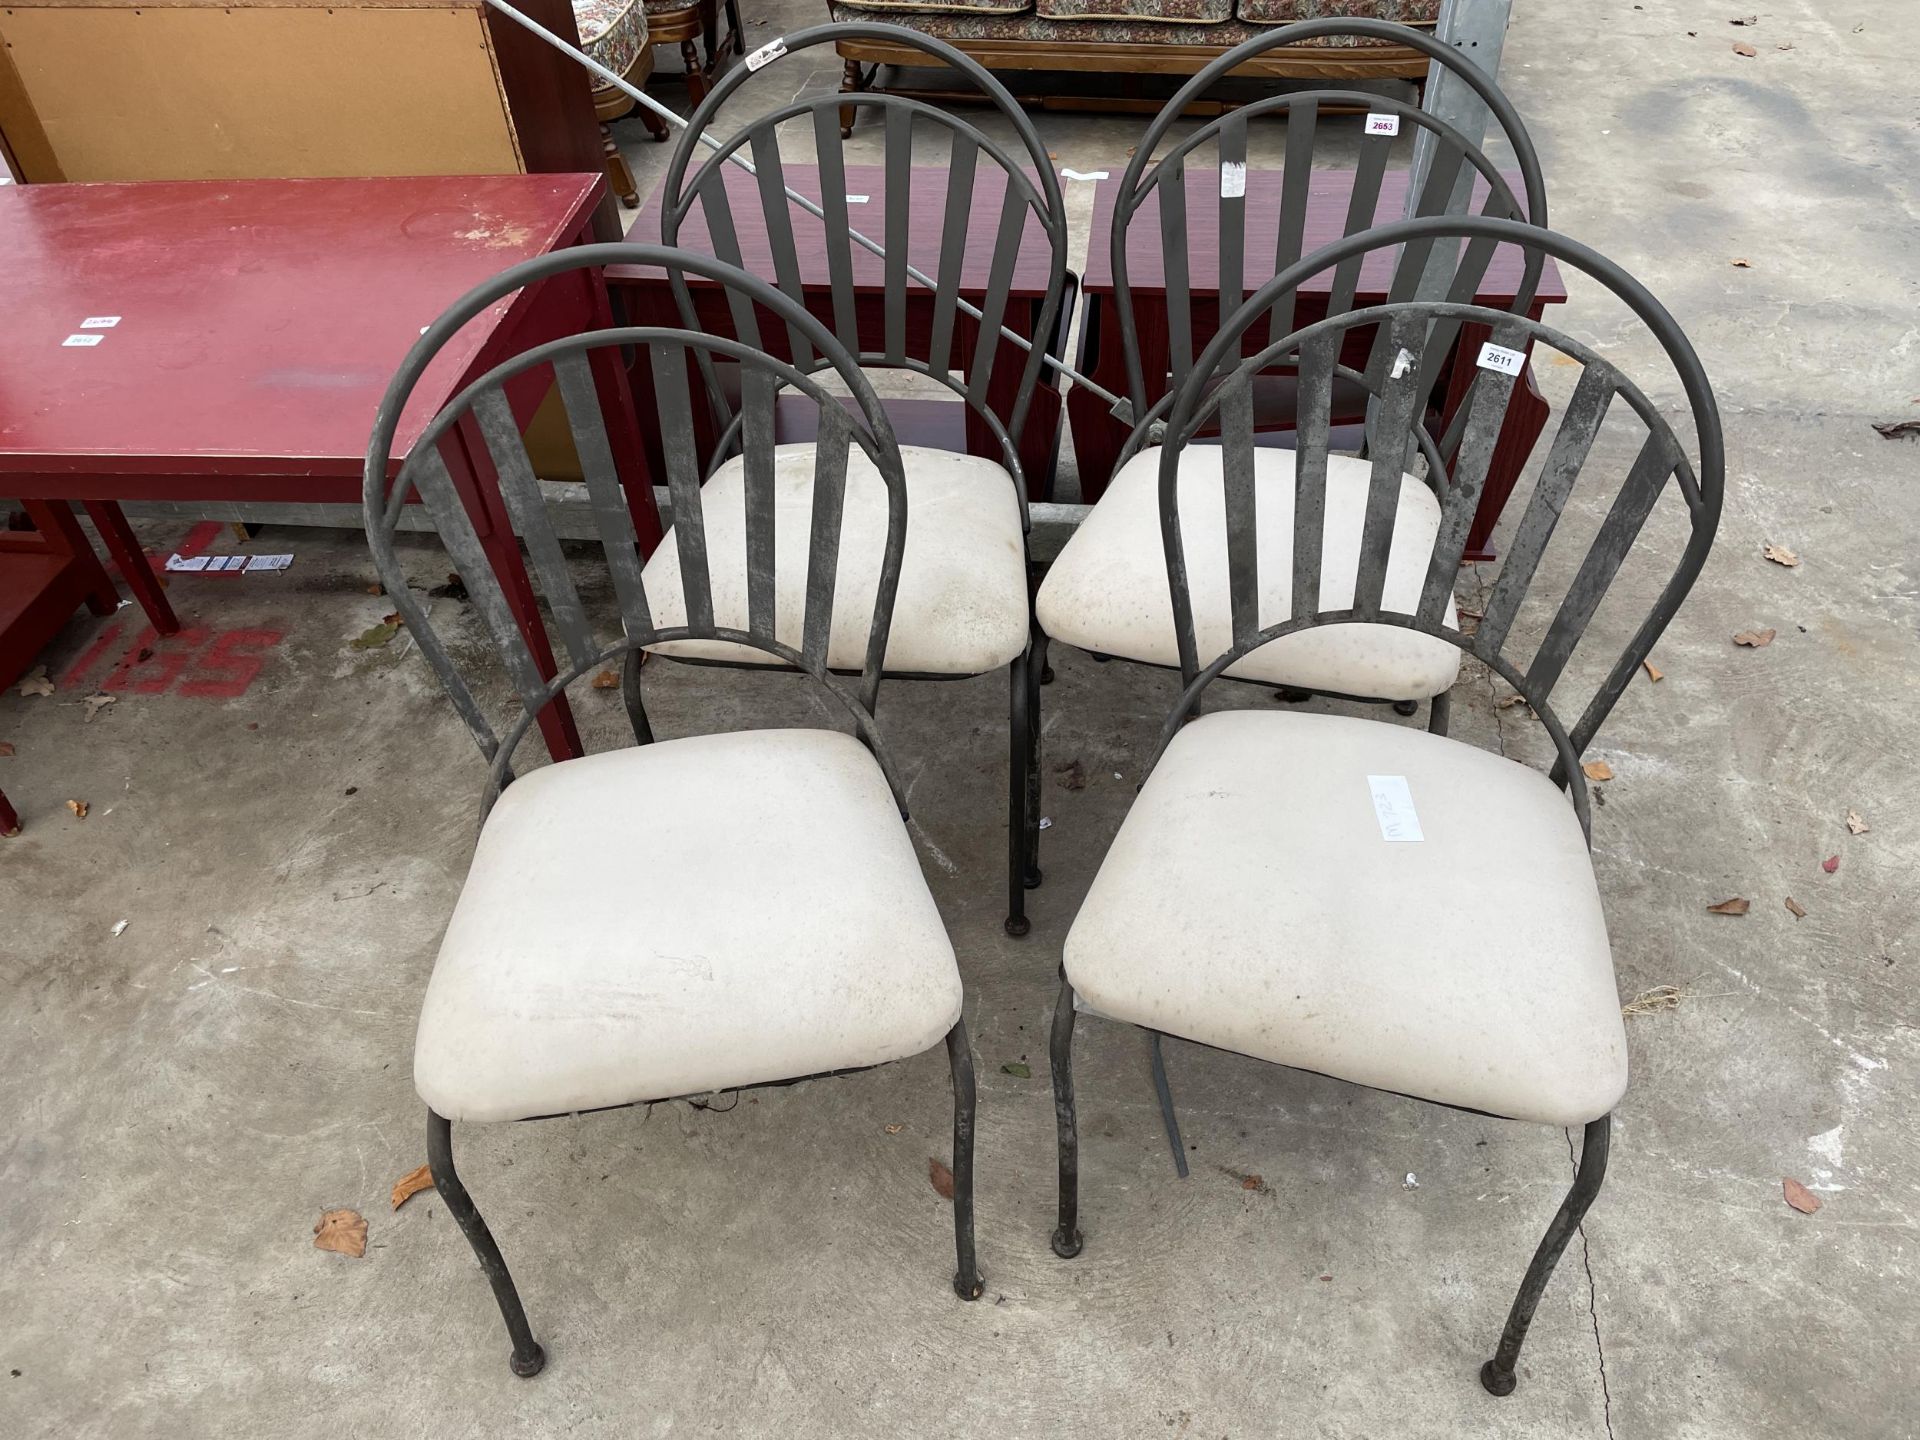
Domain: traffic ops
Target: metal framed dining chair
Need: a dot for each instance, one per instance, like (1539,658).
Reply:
(964,606)
(1105,591)
(1442,934)
(789,931)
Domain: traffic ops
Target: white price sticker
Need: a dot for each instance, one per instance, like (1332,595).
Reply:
(83,340)
(99,322)
(1402,363)
(1233,179)
(1378,124)
(1393,804)
(858,199)
(1501,360)
(1066,174)
(767,53)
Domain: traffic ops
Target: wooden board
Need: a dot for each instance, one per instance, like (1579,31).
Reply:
(112,92)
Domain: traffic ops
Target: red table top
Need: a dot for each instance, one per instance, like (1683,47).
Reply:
(260,320)
(1328,195)
(926,221)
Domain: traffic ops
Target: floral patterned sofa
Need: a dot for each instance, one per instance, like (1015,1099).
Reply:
(1166,37)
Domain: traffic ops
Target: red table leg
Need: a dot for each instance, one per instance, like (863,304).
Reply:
(9,818)
(132,560)
(55,520)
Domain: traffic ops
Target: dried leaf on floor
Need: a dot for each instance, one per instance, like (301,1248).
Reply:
(893,1129)
(1755,639)
(376,588)
(79,809)
(411,1184)
(1796,909)
(1072,775)
(606,680)
(1830,864)
(1856,822)
(1253,1183)
(1597,770)
(1742,263)
(6,748)
(95,704)
(1745,49)
(940,1177)
(1019,1069)
(1798,1196)
(342,1231)
(1661,997)
(1780,555)
(35,682)
(374,636)
(1894,429)
(1654,673)
(1744,20)
(1735,906)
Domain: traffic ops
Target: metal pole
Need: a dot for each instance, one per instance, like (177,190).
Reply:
(1478,29)
(810,207)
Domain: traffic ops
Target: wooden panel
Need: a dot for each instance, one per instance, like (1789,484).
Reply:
(177,92)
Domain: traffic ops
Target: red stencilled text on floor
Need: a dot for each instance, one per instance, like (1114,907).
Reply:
(197,662)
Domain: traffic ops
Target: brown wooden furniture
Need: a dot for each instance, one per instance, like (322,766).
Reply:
(241,89)
(1117,46)
(682,22)
(606,43)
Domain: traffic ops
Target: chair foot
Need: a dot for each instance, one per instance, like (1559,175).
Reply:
(1067,1246)
(1046,674)
(1497,1374)
(1406,707)
(1031,880)
(528,1358)
(1288,695)
(1017,925)
(969,1289)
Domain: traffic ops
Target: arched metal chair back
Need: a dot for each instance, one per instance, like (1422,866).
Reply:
(1030,198)
(1162,181)
(423,473)
(1533,667)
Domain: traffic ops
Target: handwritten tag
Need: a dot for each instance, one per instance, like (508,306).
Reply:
(83,340)
(1501,360)
(858,199)
(99,322)
(1378,124)
(1393,804)
(1233,179)
(767,53)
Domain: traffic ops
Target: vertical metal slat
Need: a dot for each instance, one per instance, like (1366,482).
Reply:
(612,513)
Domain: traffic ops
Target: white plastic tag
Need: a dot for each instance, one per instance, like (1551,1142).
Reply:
(1066,174)
(83,340)
(1378,124)
(1402,363)
(1393,804)
(858,199)
(1501,360)
(99,322)
(1233,179)
(768,53)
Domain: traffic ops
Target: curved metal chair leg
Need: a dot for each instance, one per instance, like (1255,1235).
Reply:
(1497,1374)
(528,1358)
(1067,1240)
(967,1283)
(1440,712)
(630,692)
(1036,669)
(1019,752)
(1167,1116)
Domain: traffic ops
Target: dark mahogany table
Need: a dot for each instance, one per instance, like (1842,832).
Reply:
(259,321)
(1098,436)
(945,424)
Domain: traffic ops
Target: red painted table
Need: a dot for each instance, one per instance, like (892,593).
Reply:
(258,323)
(1098,436)
(941,423)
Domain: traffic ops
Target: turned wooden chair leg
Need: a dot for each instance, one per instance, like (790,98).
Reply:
(696,72)
(619,174)
(851,83)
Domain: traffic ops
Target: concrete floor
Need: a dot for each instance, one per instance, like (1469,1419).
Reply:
(186,1098)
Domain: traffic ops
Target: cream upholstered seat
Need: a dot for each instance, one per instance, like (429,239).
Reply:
(1250,902)
(1107,591)
(686,916)
(962,604)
